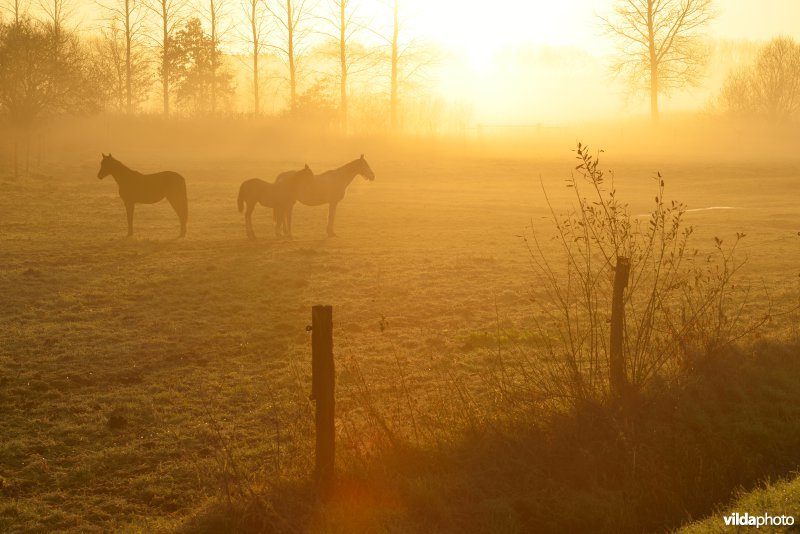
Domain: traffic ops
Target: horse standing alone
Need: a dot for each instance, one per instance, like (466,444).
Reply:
(279,196)
(135,187)
(329,188)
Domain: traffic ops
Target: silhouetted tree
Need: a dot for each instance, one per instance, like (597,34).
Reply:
(168,15)
(63,44)
(56,13)
(126,20)
(35,83)
(16,8)
(394,84)
(213,12)
(408,60)
(350,56)
(315,105)
(197,74)
(660,43)
(768,89)
(255,37)
(110,57)
(290,16)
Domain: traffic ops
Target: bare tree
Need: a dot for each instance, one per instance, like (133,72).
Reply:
(770,87)
(255,12)
(394,84)
(408,61)
(351,58)
(214,11)
(16,8)
(344,35)
(660,43)
(128,18)
(56,13)
(168,14)
(33,85)
(290,16)
(110,51)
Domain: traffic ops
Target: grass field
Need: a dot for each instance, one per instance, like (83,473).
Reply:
(129,368)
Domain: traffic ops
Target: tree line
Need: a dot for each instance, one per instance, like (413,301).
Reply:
(190,53)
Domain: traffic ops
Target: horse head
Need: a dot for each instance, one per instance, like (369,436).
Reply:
(106,166)
(365,170)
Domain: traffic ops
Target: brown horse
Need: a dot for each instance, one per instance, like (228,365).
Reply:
(279,196)
(329,187)
(135,187)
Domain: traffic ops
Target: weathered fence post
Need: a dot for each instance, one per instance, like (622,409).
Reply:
(617,379)
(322,391)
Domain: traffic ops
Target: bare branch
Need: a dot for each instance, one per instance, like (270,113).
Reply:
(659,43)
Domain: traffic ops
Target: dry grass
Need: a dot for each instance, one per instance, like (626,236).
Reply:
(776,498)
(127,365)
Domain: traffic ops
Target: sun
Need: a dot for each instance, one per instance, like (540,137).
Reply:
(480,31)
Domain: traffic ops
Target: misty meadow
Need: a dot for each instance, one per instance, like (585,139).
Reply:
(560,243)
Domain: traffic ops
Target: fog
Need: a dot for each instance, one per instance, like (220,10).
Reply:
(460,66)
(563,269)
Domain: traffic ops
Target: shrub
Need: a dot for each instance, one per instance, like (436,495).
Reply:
(678,310)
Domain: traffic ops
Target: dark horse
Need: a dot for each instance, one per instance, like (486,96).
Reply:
(135,187)
(279,196)
(329,187)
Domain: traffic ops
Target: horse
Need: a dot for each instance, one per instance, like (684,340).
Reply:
(329,188)
(135,187)
(279,196)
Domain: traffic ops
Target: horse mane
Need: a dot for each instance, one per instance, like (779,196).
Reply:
(348,165)
(119,165)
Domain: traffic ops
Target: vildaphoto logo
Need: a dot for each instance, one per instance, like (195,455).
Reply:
(758,521)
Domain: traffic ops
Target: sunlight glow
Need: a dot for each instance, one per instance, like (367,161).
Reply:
(479,30)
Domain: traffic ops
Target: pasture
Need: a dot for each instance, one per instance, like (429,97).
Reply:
(132,368)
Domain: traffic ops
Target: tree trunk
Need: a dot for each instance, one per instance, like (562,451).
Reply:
(343,64)
(290,51)
(128,39)
(651,36)
(213,58)
(654,93)
(254,27)
(165,57)
(393,89)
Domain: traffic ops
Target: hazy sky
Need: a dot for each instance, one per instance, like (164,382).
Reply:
(478,27)
(473,27)
(484,36)
(479,36)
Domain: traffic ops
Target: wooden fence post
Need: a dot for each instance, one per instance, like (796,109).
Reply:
(322,391)
(617,378)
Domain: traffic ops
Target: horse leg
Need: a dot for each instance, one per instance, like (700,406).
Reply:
(248,219)
(278,215)
(287,222)
(182,209)
(331,215)
(129,209)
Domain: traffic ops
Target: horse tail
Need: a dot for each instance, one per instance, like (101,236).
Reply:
(240,200)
